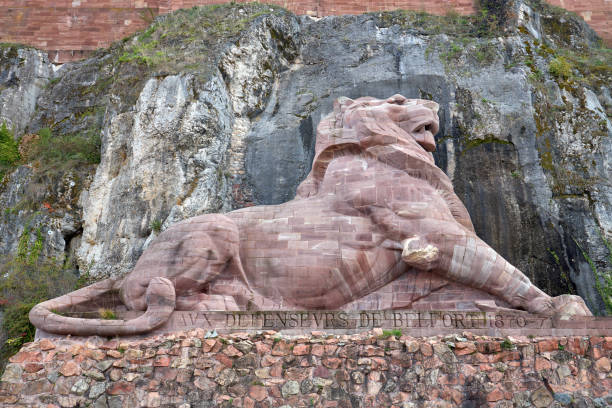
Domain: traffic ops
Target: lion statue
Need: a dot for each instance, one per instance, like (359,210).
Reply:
(373,207)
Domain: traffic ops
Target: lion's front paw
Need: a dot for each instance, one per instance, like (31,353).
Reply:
(563,307)
(541,305)
(567,306)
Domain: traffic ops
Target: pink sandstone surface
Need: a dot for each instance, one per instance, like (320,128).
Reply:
(374,209)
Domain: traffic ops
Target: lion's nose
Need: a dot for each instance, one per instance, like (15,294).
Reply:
(427,141)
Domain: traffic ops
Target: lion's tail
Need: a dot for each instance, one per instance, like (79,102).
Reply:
(160,298)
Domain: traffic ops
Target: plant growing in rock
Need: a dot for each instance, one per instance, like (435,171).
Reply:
(63,151)
(560,68)
(507,344)
(603,280)
(155,225)
(26,279)
(388,333)
(9,153)
(107,314)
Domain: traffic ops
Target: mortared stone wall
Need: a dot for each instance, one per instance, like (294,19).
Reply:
(186,369)
(71,29)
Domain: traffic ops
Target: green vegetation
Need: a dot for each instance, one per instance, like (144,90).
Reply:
(51,158)
(26,279)
(603,281)
(107,314)
(593,66)
(155,225)
(507,345)
(63,151)
(9,152)
(483,24)
(53,81)
(562,273)
(185,38)
(388,333)
(560,68)
(472,143)
(471,36)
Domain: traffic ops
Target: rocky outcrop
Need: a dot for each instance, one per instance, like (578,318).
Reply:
(24,73)
(373,369)
(193,122)
(534,183)
(172,156)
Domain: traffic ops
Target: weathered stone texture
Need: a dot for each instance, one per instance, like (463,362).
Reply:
(94,25)
(245,136)
(24,73)
(368,370)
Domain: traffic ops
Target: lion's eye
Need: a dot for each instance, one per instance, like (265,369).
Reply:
(428,128)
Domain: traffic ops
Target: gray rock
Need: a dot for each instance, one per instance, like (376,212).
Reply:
(24,73)
(95,374)
(227,377)
(114,402)
(563,399)
(80,387)
(306,386)
(541,398)
(172,156)
(97,389)
(53,376)
(100,402)
(12,373)
(104,365)
(290,388)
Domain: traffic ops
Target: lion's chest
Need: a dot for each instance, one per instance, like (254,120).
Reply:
(356,183)
(309,253)
(290,250)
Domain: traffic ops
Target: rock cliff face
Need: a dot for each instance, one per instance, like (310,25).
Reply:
(208,111)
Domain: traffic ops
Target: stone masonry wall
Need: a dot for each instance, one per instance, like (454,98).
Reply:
(186,369)
(71,29)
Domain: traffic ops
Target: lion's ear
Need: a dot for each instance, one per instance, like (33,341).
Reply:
(342,103)
(432,105)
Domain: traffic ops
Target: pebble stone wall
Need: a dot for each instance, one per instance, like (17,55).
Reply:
(186,369)
(72,29)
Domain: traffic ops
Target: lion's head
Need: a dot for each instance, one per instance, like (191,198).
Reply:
(391,129)
(417,118)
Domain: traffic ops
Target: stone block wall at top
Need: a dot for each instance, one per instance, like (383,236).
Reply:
(71,29)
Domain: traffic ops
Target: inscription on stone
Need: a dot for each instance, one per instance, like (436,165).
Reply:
(406,320)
